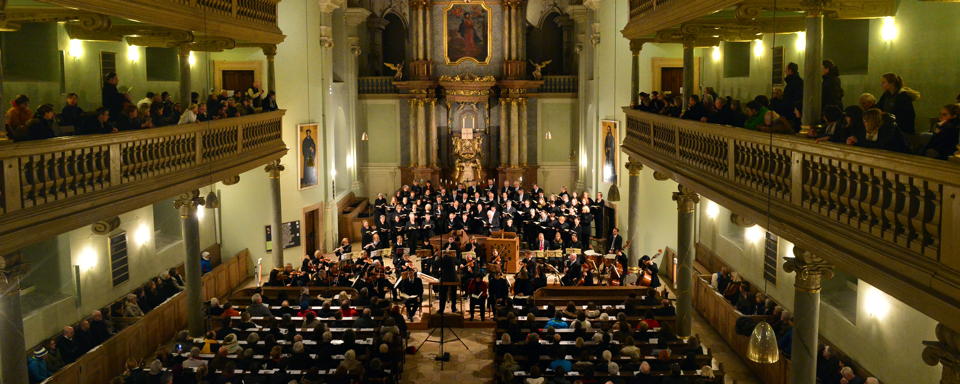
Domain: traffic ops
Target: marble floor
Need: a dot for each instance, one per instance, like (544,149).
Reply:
(476,365)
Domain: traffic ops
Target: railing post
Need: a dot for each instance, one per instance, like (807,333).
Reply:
(234,7)
(796,178)
(731,159)
(116,163)
(198,146)
(11,185)
(949,226)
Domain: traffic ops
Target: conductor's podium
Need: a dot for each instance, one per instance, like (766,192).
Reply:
(558,296)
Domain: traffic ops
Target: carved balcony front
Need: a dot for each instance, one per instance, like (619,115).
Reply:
(56,185)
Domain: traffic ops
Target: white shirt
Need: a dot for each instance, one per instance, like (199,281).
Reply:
(188,117)
(144,101)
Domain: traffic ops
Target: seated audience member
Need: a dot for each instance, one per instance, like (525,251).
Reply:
(880,132)
(246,107)
(53,359)
(131,308)
(774,123)
(131,120)
(17,116)
(70,348)
(897,100)
(146,100)
(98,122)
(206,265)
(100,329)
(71,113)
(755,115)
(695,110)
(42,126)
(158,114)
(270,102)
(257,308)
(946,134)
(202,114)
(189,115)
(867,101)
(37,366)
(849,377)
(835,129)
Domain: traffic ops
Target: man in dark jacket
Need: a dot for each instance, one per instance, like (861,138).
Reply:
(70,115)
(41,125)
(832,91)
(111,98)
(98,122)
(881,132)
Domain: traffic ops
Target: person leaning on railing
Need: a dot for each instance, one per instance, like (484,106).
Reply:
(946,134)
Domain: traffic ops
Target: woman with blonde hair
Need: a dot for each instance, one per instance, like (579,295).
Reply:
(897,100)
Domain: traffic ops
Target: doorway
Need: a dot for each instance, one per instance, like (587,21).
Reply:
(671,80)
(237,80)
(311,225)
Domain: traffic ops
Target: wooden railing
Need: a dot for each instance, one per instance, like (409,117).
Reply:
(50,183)
(559,84)
(248,20)
(376,84)
(141,338)
(639,7)
(892,218)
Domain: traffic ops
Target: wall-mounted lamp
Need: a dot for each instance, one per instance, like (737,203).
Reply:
(889,30)
(364,136)
(201,213)
(133,53)
(713,210)
(349,161)
(801,43)
(876,303)
(715,53)
(758,48)
(191,59)
(87,258)
(75,49)
(548,135)
(754,234)
(142,235)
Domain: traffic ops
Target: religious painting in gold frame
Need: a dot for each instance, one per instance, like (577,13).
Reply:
(467,33)
(610,132)
(307,164)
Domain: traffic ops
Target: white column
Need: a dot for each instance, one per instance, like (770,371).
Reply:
(421,134)
(504,133)
(506,31)
(523,132)
(514,133)
(434,138)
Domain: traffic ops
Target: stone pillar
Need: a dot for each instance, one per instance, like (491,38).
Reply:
(688,68)
(375,27)
(514,133)
(13,360)
(585,49)
(523,132)
(946,352)
(187,204)
(421,133)
(507,22)
(434,137)
(428,36)
(273,171)
(504,132)
(413,132)
(686,202)
(184,59)
(521,31)
(811,270)
(635,47)
(812,62)
(633,215)
(270,51)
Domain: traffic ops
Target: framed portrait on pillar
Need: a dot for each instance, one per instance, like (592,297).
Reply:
(307,164)
(610,134)
(467,33)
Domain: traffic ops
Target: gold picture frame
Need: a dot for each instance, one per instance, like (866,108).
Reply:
(308,165)
(459,15)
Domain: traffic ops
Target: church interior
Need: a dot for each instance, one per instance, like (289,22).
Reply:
(482,191)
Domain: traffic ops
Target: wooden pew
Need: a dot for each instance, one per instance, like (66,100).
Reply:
(558,296)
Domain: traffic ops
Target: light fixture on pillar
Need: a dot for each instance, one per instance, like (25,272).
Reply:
(75,49)
(212,201)
(191,59)
(758,48)
(715,54)
(133,53)
(364,136)
(548,135)
(801,43)
(713,210)
(763,345)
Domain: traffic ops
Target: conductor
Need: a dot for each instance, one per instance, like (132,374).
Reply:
(448,274)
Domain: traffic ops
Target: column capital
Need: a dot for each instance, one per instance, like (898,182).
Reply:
(188,202)
(326,36)
(637,44)
(686,199)
(269,50)
(377,23)
(354,16)
(417,4)
(328,6)
(810,268)
(579,13)
(661,176)
(634,167)
(354,43)
(946,352)
(273,169)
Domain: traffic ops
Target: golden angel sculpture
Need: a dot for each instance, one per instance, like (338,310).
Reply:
(468,169)
(398,68)
(538,68)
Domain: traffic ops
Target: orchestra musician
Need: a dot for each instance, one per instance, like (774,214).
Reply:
(650,269)
(499,289)
(572,271)
(344,250)
(410,291)
(616,241)
(477,290)
(399,256)
(448,274)
(366,233)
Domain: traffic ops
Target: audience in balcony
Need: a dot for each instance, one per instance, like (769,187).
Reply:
(897,100)
(832,91)
(17,116)
(881,131)
(98,122)
(946,134)
(111,98)
(132,120)
(71,113)
(41,126)
(189,115)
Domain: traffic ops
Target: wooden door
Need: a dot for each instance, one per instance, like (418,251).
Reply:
(311,222)
(237,80)
(671,79)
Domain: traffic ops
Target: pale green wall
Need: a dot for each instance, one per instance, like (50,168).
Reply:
(559,116)
(928,30)
(96,289)
(869,341)
(382,121)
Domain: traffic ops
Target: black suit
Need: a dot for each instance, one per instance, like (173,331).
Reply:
(573,274)
(412,287)
(616,244)
(448,274)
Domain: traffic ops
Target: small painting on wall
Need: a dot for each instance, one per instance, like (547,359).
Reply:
(467,32)
(610,132)
(307,159)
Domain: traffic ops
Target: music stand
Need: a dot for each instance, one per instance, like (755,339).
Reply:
(443,357)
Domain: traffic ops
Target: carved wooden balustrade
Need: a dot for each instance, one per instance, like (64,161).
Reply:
(247,20)
(559,84)
(376,84)
(892,219)
(51,186)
